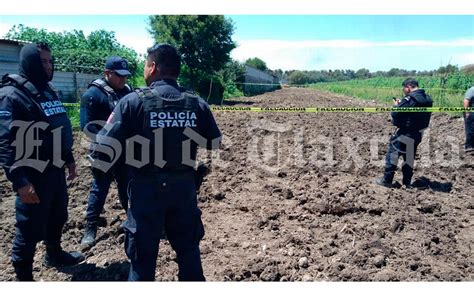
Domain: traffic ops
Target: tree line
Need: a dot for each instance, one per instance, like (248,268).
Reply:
(317,76)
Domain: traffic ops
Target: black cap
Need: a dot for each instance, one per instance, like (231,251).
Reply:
(118,65)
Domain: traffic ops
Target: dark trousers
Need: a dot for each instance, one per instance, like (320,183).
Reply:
(99,190)
(43,221)
(469,124)
(169,202)
(404,145)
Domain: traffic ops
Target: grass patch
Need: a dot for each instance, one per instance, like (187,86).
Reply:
(73,112)
(447,91)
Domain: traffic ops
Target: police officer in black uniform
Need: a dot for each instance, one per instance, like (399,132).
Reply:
(163,124)
(409,133)
(97,103)
(35,145)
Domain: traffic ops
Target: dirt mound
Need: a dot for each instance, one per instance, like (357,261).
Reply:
(291,198)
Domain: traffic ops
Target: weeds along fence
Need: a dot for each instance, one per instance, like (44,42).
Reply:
(440,96)
(446,91)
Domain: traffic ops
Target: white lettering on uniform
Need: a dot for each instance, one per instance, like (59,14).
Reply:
(52,107)
(172,119)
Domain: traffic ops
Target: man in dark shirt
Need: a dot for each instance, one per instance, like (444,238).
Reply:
(409,133)
(160,128)
(35,145)
(97,103)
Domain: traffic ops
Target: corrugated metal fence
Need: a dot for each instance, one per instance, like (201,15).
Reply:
(257,82)
(69,85)
(72,85)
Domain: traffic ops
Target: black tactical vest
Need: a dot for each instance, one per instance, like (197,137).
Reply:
(112,96)
(164,124)
(52,110)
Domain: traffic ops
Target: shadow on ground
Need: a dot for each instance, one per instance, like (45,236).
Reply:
(117,271)
(425,183)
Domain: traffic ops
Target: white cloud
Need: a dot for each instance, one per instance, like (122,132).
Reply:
(425,43)
(463,59)
(355,54)
(139,43)
(349,43)
(4,28)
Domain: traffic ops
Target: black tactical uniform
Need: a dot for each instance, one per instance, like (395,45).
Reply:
(162,191)
(31,111)
(408,136)
(97,103)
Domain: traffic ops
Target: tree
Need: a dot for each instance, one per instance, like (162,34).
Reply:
(278,73)
(447,69)
(75,52)
(257,63)
(362,73)
(393,72)
(298,77)
(233,72)
(204,41)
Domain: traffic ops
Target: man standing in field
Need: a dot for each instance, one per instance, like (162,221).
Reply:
(97,103)
(35,148)
(169,123)
(409,133)
(469,121)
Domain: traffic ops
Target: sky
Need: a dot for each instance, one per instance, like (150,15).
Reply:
(308,42)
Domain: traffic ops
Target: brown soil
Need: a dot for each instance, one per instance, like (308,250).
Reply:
(276,208)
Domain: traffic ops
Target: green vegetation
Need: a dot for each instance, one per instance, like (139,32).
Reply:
(446,90)
(232,73)
(73,114)
(205,43)
(73,51)
(313,76)
(257,63)
(298,77)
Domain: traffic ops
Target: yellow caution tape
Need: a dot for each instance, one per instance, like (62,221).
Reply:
(343,109)
(330,109)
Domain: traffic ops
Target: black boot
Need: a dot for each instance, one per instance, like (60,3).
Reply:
(407,182)
(24,272)
(383,182)
(89,235)
(56,257)
(407,175)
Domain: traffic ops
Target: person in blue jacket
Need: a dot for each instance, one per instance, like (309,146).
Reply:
(406,139)
(160,128)
(97,103)
(35,146)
